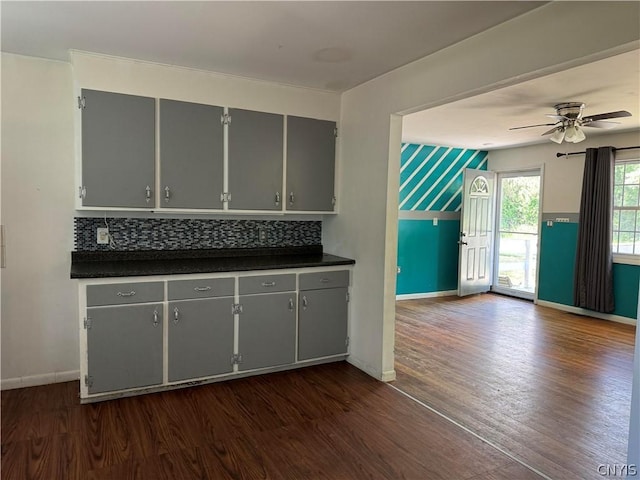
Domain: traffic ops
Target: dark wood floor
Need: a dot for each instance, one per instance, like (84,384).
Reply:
(325,422)
(550,387)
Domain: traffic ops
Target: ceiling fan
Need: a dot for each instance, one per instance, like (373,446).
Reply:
(569,120)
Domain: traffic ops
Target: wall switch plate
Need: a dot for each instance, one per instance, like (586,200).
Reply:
(435,222)
(102,236)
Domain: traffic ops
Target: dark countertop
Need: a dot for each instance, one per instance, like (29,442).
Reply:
(104,264)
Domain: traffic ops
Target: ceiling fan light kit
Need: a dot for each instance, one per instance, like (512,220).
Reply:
(570,120)
(558,135)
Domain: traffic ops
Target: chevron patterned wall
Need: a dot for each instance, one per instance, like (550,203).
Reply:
(431,176)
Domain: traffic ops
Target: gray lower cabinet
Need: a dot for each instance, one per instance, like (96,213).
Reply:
(311,148)
(255,160)
(191,155)
(118,150)
(267,333)
(277,319)
(322,323)
(323,314)
(200,338)
(124,345)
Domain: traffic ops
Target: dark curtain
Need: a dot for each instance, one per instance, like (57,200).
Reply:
(593,283)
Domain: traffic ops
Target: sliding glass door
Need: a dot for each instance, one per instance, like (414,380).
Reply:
(516,242)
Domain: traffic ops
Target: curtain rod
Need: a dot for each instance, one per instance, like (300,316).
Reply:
(560,154)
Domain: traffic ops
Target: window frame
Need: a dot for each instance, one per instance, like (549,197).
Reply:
(625,258)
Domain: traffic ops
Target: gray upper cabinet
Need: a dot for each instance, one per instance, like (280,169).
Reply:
(311,146)
(255,160)
(118,150)
(191,155)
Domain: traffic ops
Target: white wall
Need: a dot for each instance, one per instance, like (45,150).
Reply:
(562,176)
(40,124)
(39,306)
(366,228)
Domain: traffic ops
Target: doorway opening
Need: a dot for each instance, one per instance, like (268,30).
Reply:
(516,238)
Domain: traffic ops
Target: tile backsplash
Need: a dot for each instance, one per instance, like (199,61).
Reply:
(188,234)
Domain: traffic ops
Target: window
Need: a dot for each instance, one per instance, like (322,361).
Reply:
(480,186)
(626,208)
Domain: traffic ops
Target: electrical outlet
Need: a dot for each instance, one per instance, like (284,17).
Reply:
(262,235)
(102,236)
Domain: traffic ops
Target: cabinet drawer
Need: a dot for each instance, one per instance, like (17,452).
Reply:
(122,293)
(267,283)
(317,280)
(204,288)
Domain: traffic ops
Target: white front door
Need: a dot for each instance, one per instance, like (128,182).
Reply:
(476,232)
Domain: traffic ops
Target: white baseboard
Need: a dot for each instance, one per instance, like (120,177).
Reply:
(366,368)
(587,313)
(416,296)
(387,376)
(35,380)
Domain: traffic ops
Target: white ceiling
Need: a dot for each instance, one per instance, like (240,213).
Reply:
(333,46)
(483,122)
(325,45)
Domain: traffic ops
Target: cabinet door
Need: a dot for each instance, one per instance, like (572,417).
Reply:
(311,147)
(191,155)
(124,346)
(322,323)
(200,338)
(255,160)
(267,334)
(118,150)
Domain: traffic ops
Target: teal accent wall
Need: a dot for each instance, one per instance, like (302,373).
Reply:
(428,256)
(625,289)
(557,266)
(557,262)
(431,181)
(431,176)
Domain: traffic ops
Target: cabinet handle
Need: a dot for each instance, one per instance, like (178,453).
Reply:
(167,194)
(324,280)
(277,198)
(291,304)
(202,289)
(268,284)
(156,319)
(127,294)
(176,315)
(305,303)
(291,198)
(148,193)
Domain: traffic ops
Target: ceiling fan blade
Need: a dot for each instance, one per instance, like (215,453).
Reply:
(548,132)
(557,118)
(600,124)
(531,126)
(604,116)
